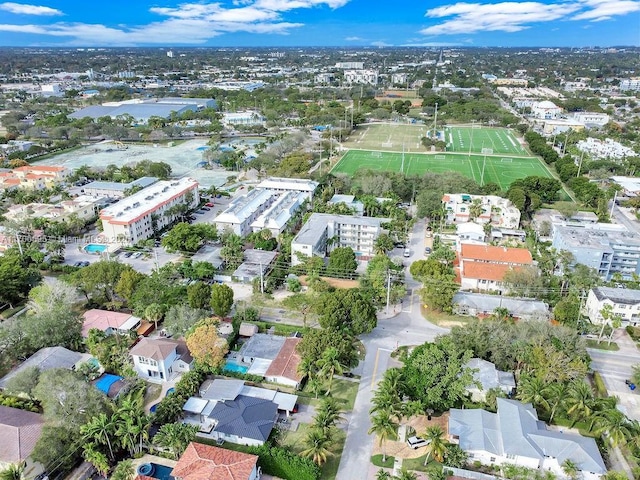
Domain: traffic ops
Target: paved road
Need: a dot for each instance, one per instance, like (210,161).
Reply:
(621,218)
(406,328)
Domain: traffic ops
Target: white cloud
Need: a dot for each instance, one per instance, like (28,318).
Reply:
(22,9)
(598,10)
(380,43)
(504,16)
(513,16)
(431,44)
(188,23)
(354,39)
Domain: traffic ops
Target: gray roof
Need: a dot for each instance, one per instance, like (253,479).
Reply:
(220,389)
(625,296)
(246,417)
(263,346)
(488,303)
(516,430)
(46,359)
(94,111)
(318,222)
(119,186)
(136,110)
(256,263)
(488,376)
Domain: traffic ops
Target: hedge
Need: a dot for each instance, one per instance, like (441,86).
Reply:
(601,389)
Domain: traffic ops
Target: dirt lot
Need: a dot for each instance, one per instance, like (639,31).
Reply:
(420,424)
(334,282)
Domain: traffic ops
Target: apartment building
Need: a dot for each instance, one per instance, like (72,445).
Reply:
(498,211)
(115,189)
(608,249)
(361,77)
(546,110)
(632,83)
(483,267)
(359,233)
(592,118)
(623,301)
(137,217)
(271,204)
(33,177)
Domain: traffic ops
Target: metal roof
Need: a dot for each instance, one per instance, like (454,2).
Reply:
(625,296)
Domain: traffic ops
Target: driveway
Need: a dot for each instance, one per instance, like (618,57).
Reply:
(408,327)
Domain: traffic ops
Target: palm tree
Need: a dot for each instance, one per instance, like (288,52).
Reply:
(154,313)
(13,472)
(580,401)
(385,428)
(330,364)
(557,395)
(100,429)
(405,475)
(615,425)
(330,413)
(533,390)
(315,386)
(175,437)
(306,367)
(96,458)
(382,475)
(437,446)
(317,443)
(123,471)
(570,469)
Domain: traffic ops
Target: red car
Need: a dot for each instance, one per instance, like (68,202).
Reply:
(209,204)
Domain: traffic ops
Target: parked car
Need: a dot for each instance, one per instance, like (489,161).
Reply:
(85,264)
(209,204)
(205,209)
(427,250)
(127,254)
(199,212)
(417,442)
(137,255)
(407,253)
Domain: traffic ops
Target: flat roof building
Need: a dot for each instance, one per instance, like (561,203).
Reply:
(142,214)
(359,233)
(115,189)
(281,184)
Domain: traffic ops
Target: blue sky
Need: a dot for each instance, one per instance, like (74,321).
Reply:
(320,23)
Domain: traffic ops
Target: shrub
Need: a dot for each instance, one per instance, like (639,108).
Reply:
(599,385)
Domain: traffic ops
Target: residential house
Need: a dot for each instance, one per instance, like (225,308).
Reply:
(84,207)
(483,267)
(259,351)
(514,435)
(356,206)
(498,211)
(624,302)
(20,430)
(229,410)
(284,368)
(204,462)
(324,232)
(470,232)
(109,322)
(256,264)
(148,211)
(487,377)
(159,360)
(483,305)
(46,359)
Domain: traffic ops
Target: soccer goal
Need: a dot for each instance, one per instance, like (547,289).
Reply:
(440,157)
(476,125)
(387,144)
(487,151)
(506,160)
(376,154)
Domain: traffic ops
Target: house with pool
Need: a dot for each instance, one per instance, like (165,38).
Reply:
(160,360)
(109,322)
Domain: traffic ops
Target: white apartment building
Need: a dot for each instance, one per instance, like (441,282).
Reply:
(498,211)
(350,65)
(324,78)
(546,110)
(364,77)
(591,118)
(399,78)
(244,210)
(624,302)
(608,148)
(359,233)
(277,216)
(281,184)
(131,219)
(632,83)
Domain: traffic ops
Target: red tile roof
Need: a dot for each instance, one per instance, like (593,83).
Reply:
(489,253)
(485,271)
(204,462)
(286,363)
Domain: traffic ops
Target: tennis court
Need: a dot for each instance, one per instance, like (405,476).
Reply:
(481,168)
(483,139)
(389,137)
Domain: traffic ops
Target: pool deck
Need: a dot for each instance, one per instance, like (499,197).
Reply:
(163,393)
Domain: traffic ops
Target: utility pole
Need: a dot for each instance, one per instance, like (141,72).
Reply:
(261,279)
(580,165)
(435,122)
(388,289)
(19,244)
(613,203)
(155,254)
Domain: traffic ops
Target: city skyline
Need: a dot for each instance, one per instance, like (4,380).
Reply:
(321,23)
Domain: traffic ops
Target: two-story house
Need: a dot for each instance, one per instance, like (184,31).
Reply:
(483,267)
(159,360)
(623,301)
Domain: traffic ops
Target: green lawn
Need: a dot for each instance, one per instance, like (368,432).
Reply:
(418,463)
(343,391)
(387,137)
(474,140)
(377,461)
(481,168)
(603,345)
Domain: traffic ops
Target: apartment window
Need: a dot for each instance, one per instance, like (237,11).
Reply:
(492,459)
(622,307)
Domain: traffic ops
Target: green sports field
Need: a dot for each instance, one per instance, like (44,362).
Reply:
(497,169)
(493,141)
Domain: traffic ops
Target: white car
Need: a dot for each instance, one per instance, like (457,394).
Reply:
(417,442)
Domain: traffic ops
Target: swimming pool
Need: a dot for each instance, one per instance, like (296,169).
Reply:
(233,366)
(155,470)
(95,248)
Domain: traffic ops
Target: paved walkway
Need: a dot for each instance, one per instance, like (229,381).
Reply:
(163,393)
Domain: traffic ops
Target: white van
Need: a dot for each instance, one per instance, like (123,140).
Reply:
(416,442)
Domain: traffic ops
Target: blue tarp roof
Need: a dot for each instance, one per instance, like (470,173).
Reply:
(105,382)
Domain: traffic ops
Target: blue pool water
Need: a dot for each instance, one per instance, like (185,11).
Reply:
(161,472)
(170,391)
(204,147)
(232,366)
(95,248)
